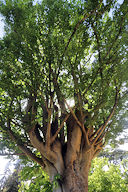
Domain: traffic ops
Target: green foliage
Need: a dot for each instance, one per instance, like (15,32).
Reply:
(34,179)
(64,50)
(49,42)
(42,41)
(105,176)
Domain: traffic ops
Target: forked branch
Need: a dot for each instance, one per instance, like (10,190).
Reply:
(98,149)
(51,156)
(78,122)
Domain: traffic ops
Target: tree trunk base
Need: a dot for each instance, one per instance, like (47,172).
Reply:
(74,180)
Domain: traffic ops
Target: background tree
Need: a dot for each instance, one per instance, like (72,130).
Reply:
(106,176)
(10,182)
(55,53)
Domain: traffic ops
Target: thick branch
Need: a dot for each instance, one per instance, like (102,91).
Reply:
(50,155)
(100,140)
(77,93)
(25,150)
(98,149)
(48,133)
(58,130)
(30,112)
(78,122)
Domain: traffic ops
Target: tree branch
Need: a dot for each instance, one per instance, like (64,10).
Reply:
(23,148)
(91,82)
(77,93)
(61,126)
(116,38)
(60,96)
(99,132)
(48,133)
(78,122)
(50,155)
(86,15)
(78,24)
(98,45)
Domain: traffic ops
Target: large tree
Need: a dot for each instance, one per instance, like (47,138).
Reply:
(63,74)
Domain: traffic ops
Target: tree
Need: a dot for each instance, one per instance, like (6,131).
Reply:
(63,77)
(10,182)
(104,176)
(110,180)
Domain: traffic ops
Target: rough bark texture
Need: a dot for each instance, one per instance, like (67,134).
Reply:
(75,180)
(70,154)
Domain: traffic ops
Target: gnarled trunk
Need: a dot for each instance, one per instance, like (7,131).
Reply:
(75,179)
(75,175)
(73,164)
(70,158)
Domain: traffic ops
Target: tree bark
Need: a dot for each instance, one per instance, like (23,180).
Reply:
(74,178)
(72,159)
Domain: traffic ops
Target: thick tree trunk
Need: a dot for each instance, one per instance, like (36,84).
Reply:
(74,179)
(71,160)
